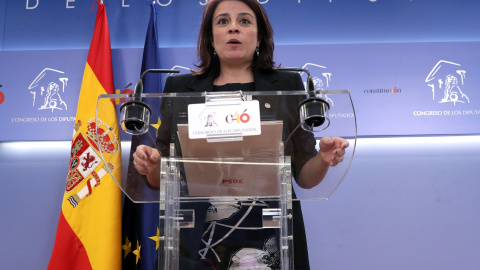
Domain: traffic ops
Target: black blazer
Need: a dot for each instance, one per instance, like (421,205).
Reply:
(301,147)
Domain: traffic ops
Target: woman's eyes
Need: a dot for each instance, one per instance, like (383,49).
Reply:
(245,21)
(226,21)
(222,21)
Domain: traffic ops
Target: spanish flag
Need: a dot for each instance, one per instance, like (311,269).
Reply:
(89,229)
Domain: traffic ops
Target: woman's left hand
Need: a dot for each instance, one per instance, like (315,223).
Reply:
(332,150)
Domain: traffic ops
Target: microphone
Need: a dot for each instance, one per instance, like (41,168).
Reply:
(135,114)
(313,110)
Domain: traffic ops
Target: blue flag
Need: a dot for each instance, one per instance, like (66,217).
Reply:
(140,221)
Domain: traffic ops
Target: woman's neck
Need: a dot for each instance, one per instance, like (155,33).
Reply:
(234,75)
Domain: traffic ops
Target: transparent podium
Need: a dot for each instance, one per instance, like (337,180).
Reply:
(227,187)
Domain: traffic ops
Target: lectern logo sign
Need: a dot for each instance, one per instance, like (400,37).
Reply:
(220,120)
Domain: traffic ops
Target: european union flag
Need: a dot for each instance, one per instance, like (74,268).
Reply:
(140,221)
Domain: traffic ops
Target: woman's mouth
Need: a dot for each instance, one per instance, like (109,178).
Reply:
(234,41)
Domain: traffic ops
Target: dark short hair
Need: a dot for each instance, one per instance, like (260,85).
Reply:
(207,63)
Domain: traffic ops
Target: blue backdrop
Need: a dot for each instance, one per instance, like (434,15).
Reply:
(411,66)
(406,203)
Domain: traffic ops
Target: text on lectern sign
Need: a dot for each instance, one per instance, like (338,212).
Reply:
(242,118)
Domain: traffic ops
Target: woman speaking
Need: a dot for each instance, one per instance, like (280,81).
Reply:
(235,52)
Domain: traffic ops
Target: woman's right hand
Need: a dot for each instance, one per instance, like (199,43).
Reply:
(146,161)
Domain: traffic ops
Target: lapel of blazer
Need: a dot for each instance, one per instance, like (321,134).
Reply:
(204,84)
(265,81)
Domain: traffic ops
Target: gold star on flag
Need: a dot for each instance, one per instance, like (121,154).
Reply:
(137,252)
(156,238)
(157,125)
(127,247)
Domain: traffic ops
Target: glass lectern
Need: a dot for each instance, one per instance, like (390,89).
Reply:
(226,188)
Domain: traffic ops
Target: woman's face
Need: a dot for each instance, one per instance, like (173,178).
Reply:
(235,33)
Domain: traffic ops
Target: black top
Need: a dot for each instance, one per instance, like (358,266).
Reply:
(231,87)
